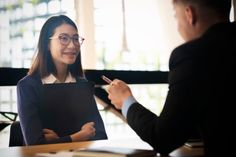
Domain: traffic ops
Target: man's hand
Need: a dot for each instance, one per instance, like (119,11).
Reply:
(118,92)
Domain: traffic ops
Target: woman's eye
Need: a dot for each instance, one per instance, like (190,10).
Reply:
(76,39)
(64,38)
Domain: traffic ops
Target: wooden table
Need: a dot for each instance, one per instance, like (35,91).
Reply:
(30,151)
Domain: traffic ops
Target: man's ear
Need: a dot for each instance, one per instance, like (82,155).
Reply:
(190,14)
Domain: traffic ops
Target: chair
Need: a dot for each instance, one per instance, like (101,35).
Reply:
(16,136)
(9,118)
(6,118)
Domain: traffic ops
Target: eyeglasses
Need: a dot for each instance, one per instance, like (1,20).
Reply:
(65,39)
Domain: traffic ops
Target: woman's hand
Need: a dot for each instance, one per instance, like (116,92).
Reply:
(87,131)
(50,134)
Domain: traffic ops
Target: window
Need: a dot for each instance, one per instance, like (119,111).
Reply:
(119,35)
(129,35)
(20,23)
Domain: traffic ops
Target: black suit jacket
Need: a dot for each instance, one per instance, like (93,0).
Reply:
(200,96)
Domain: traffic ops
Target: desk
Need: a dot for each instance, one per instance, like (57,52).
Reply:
(30,151)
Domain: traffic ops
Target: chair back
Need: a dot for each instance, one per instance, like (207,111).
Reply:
(6,118)
(16,136)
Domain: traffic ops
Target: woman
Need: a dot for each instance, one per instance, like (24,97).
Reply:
(58,60)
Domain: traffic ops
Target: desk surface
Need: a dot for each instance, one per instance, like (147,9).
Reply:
(30,151)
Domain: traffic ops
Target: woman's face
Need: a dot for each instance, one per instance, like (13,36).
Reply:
(64,45)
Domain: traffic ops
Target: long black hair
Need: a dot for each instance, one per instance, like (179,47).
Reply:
(43,63)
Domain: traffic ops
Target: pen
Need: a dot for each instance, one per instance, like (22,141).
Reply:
(106,79)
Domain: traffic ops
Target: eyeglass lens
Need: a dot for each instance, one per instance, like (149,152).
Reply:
(66,39)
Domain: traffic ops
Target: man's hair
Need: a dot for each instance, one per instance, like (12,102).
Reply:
(220,7)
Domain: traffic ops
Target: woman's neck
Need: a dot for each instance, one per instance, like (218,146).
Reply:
(62,74)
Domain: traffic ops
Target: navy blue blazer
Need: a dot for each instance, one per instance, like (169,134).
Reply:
(200,96)
(29,96)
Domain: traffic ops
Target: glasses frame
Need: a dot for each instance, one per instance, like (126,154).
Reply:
(81,39)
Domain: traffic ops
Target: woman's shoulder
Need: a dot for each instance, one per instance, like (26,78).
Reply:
(30,80)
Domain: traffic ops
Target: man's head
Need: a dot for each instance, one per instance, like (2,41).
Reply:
(194,17)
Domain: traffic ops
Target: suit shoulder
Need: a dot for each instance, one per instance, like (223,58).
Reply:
(185,52)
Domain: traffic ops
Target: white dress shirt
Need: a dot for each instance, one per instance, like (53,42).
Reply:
(52,79)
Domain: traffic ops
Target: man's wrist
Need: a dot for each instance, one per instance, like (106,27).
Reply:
(126,105)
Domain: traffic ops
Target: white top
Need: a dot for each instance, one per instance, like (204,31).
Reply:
(52,79)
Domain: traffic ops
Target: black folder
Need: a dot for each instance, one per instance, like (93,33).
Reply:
(66,107)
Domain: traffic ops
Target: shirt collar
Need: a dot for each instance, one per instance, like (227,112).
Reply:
(50,79)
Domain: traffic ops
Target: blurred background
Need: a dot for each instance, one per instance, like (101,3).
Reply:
(119,35)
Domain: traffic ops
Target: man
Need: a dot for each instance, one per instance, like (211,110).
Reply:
(200,93)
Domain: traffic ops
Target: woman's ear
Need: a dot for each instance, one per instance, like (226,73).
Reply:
(190,14)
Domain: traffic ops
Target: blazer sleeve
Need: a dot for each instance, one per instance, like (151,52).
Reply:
(171,129)
(28,101)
